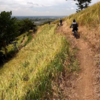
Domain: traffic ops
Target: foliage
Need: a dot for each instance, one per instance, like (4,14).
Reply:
(25,25)
(8,28)
(82,4)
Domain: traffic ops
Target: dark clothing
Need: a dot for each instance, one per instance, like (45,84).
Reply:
(74,26)
(60,22)
(49,23)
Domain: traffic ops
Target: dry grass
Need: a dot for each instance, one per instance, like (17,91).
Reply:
(88,17)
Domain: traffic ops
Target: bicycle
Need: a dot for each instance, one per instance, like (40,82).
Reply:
(75,33)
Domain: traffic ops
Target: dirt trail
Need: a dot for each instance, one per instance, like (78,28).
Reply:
(85,88)
(84,85)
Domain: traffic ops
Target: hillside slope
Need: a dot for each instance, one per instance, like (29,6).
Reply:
(88,17)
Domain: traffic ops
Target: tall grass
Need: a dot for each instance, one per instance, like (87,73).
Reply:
(28,76)
(89,17)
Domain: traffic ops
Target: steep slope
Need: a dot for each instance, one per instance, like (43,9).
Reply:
(88,17)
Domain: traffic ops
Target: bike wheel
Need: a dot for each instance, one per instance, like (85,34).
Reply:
(75,34)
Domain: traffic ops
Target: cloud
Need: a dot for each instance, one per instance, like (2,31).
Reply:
(39,7)
(32,4)
(29,2)
(72,8)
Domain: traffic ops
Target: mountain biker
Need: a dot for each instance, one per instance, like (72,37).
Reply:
(49,22)
(60,21)
(74,25)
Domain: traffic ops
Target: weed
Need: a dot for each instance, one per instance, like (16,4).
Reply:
(25,64)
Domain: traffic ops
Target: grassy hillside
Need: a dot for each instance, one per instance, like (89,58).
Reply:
(28,76)
(89,16)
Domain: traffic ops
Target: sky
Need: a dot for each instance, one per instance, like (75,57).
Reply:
(40,7)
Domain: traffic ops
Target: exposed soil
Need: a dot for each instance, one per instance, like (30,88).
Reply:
(21,45)
(82,85)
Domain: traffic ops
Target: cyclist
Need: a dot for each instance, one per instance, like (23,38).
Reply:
(60,21)
(74,25)
(49,22)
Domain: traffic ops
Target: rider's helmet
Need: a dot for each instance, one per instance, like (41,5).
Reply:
(74,20)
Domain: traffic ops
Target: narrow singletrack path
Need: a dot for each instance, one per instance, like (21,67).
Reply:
(84,87)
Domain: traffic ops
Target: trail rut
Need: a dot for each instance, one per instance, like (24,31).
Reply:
(85,87)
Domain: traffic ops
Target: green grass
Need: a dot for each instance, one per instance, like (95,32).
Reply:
(30,37)
(29,75)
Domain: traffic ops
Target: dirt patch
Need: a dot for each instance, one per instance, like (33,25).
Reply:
(22,43)
(85,87)
(97,76)
(64,87)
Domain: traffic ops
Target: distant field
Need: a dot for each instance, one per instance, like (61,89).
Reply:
(38,20)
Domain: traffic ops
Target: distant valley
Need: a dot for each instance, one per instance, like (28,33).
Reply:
(38,20)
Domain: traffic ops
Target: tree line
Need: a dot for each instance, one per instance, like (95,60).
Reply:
(10,28)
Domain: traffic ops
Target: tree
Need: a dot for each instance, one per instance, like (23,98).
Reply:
(25,25)
(8,28)
(82,4)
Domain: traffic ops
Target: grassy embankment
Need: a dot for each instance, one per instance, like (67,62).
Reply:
(28,75)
